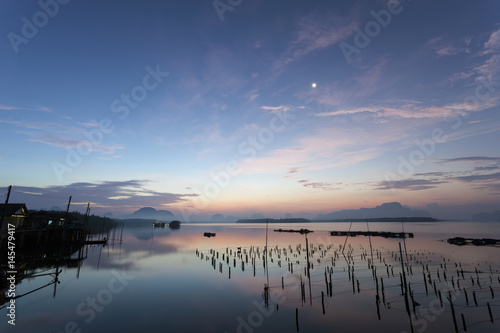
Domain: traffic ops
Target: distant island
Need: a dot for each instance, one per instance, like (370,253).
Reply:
(495,216)
(385,219)
(288,220)
(385,210)
(149,213)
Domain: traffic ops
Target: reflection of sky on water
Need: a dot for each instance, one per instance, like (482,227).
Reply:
(171,289)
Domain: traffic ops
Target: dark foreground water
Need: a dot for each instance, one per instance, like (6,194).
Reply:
(163,280)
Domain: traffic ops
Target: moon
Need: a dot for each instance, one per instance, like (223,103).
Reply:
(313,85)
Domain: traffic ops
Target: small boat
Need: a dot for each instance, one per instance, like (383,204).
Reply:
(209,234)
(174,224)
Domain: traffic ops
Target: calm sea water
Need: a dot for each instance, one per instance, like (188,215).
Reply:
(163,280)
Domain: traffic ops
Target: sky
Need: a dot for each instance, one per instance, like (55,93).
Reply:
(251,107)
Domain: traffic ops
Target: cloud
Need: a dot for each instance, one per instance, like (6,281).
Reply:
(294,170)
(45,126)
(427,180)
(415,110)
(493,43)
(9,108)
(469,159)
(480,178)
(316,31)
(65,141)
(275,109)
(432,174)
(326,147)
(122,196)
(491,67)
(489,182)
(486,69)
(409,184)
(443,46)
(460,76)
(272,108)
(449,50)
(487,168)
(325,186)
(60,135)
(21,108)
(434,41)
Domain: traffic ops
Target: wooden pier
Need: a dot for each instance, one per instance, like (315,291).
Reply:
(301,231)
(384,234)
(474,241)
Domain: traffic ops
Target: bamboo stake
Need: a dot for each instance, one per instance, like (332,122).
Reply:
(453,312)
(463,322)
(489,311)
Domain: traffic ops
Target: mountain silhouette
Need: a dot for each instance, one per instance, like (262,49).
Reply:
(495,216)
(150,213)
(218,218)
(390,209)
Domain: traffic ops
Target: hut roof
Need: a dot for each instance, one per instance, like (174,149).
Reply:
(14,209)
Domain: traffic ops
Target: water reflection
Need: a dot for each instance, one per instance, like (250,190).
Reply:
(357,270)
(178,280)
(36,258)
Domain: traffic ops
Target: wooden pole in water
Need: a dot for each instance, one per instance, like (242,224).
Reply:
(406,287)
(326,282)
(453,312)
(404,238)
(370,240)
(463,322)
(412,300)
(425,282)
(323,301)
(267,268)
(307,253)
(347,236)
(308,271)
(297,318)
(489,311)
(353,288)
(383,293)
